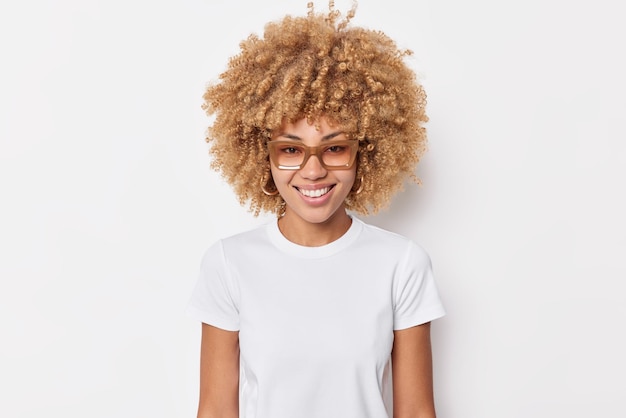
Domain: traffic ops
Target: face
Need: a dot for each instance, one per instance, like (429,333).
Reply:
(313,194)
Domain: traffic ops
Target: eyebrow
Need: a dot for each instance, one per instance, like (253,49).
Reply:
(297,138)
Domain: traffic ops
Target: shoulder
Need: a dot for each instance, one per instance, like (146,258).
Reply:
(249,240)
(392,243)
(249,237)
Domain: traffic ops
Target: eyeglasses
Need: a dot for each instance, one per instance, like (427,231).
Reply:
(332,155)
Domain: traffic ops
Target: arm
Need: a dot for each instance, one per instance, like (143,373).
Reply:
(219,373)
(411,359)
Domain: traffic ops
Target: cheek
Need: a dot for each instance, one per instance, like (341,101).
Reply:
(281,176)
(351,175)
(347,177)
(275,172)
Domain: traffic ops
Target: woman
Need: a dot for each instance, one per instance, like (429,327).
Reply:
(316,314)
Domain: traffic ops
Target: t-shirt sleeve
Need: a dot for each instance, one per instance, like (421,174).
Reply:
(214,300)
(416,296)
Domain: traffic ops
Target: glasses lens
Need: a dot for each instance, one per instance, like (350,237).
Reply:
(288,155)
(337,155)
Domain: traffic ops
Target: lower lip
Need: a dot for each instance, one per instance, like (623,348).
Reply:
(317,201)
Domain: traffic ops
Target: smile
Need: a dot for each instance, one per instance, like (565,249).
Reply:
(314,193)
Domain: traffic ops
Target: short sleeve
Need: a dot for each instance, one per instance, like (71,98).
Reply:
(214,300)
(416,298)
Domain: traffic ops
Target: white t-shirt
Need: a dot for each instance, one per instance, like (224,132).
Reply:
(315,323)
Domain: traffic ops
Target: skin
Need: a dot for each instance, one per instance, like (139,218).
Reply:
(315,222)
(411,359)
(219,373)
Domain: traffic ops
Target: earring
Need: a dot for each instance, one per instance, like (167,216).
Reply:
(360,188)
(264,187)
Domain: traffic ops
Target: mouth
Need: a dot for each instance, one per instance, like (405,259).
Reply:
(314,192)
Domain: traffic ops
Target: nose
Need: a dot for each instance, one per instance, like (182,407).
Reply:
(313,169)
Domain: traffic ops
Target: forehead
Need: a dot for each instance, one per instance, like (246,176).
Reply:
(321,126)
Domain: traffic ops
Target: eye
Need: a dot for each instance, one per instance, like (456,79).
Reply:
(290,150)
(335,149)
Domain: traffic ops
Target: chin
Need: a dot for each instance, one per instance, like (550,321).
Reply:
(318,216)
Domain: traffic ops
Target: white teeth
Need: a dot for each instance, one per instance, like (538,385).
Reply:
(315,193)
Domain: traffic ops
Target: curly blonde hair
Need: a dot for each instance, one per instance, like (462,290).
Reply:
(318,66)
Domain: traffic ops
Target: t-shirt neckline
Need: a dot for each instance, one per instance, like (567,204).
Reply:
(332,248)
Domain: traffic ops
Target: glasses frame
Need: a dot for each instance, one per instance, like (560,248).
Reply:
(317,151)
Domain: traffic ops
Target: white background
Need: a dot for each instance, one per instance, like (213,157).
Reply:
(108,202)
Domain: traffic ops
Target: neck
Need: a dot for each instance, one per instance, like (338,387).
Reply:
(309,234)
